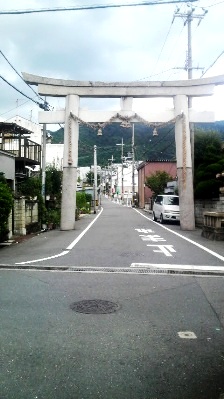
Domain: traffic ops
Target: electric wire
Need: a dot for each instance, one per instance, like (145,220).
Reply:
(19,91)
(213,5)
(14,69)
(25,102)
(100,6)
(163,46)
(212,64)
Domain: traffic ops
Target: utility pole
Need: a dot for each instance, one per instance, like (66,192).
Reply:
(188,18)
(95,177)
(133,162)
(122,169)
(44,138)
(110,168)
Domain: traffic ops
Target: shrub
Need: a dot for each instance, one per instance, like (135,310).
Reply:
(83,202)
(6,203)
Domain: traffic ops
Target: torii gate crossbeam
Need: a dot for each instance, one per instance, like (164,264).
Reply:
(179,90)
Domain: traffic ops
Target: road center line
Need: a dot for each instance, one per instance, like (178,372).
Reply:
(184,238)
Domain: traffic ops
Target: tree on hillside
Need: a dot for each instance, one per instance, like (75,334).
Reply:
(158,181)
(209,161)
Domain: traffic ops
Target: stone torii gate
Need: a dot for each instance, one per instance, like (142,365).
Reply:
(72,115)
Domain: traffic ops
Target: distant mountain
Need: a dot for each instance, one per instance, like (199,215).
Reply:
(146,146)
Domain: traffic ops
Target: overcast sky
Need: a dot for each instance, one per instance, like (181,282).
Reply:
(113,44)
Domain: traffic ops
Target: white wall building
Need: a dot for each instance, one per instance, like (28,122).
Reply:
(113,176)
(35,128)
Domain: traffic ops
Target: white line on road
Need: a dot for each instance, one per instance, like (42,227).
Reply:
(84,231)
(73,243)
(179,267)
(42,259)
(184,238)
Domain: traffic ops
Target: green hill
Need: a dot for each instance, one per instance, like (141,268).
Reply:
(146,146)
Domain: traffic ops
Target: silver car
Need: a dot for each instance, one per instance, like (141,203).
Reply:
(166,208)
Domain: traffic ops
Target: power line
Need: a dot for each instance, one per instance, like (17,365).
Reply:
(19,91)
(23,94)
(45,104)
(14,108)
(212,64)
(14,69)
(100,6)
(216,4)
(163,46)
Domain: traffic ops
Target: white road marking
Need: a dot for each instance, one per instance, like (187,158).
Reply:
(73,243)
(184,238)
(42,259)
(179,267)
(154,238)
(165,249)
(187,334)
(144,231)
(84,231)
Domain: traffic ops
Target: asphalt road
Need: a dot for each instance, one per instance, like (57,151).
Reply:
(164,337)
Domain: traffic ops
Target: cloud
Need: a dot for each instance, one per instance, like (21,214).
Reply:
(114,44)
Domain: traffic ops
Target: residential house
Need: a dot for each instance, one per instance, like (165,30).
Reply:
(19,155)
(147,168)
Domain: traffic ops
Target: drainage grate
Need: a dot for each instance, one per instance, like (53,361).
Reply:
(95,306)
(125,270)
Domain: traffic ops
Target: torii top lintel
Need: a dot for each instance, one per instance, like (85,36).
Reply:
(138,89)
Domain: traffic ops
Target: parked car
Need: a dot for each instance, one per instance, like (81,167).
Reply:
(166,208)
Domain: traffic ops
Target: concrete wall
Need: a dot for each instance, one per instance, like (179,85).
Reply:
(31,212)
(201,206)
(25,213)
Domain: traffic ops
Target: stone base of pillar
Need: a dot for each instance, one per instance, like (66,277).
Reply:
(185,185)
(68,203)
(213,233)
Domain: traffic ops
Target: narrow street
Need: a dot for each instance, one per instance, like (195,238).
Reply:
(120,308)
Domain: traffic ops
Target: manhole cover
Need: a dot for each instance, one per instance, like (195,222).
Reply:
(95,306)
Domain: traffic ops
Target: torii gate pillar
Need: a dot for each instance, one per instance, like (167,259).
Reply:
(70,159)
(184,163)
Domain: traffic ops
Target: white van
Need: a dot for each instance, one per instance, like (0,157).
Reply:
(166,208)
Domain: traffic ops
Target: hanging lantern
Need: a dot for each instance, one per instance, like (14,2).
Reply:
(155,133)
(99,132)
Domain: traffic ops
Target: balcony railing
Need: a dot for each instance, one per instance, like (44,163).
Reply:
(23,148)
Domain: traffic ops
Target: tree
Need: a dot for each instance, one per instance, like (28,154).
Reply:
(53,182)
(6,203)
(90,178)
(208,147)
(158,181)
(30,187)
(209,161)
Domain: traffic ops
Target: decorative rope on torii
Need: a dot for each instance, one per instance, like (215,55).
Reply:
(126,123)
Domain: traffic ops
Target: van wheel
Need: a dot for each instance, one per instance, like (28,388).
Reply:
(161,219)
(154,217)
